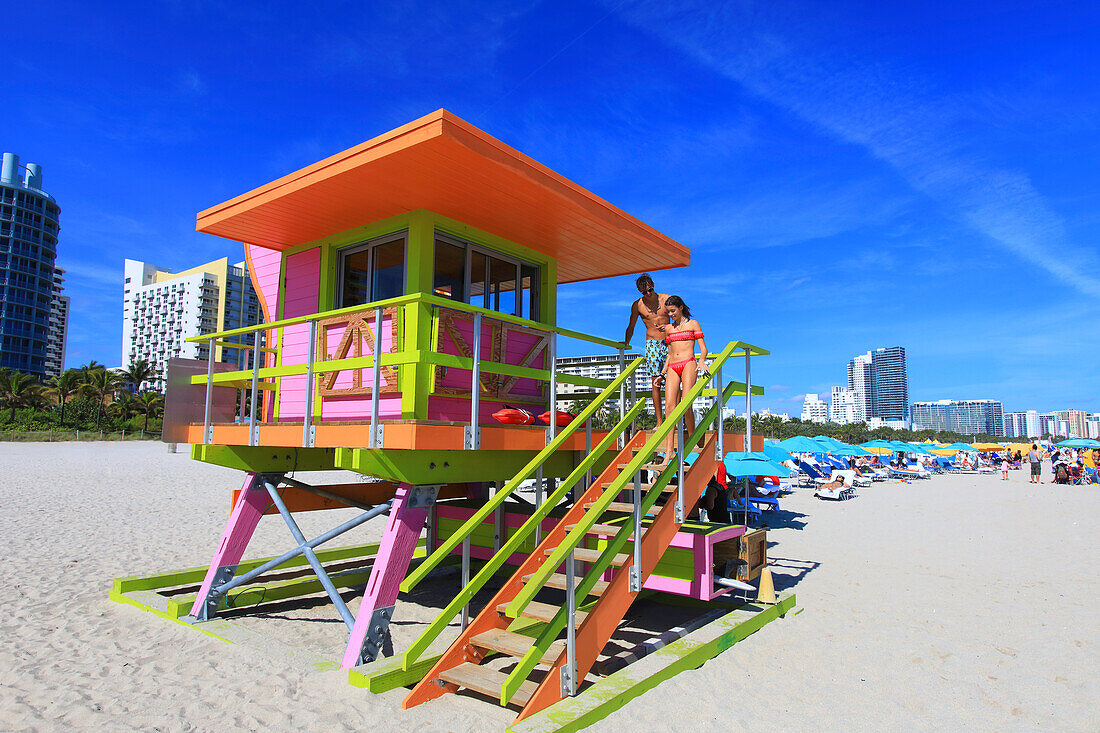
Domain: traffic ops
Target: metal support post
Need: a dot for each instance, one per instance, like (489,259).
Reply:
(376,378)
(553,349)
(307,408)
(569,671)
(253,436)
(622,397)
(748,405)
(465,577)
(498,528)
(720,444)
(473,435)
(636,567)
(538,503)
(588,451)
(429,530)
(679,508)
(207,428)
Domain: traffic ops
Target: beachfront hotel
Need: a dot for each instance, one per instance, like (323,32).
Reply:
(57,334)
(29,281)
(162,309)
(968,417)
(815,409)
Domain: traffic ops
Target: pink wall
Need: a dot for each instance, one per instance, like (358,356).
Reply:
(357,407)
(300,298)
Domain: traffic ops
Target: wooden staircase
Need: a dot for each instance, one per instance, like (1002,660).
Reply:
(462,666)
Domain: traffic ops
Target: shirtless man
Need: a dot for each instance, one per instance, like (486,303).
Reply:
(651,309)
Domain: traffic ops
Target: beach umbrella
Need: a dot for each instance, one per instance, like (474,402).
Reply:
(904,447)
(962,446)
(829,443)
(986,447)
(801,444)
(775,453)
(880,447)
(944,451)
(1079,443)
(850,450)
(741,467)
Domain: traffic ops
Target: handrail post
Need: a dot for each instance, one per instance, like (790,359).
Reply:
(376,378)
(587,450)
(636,567)
(307,408)
(207,428)
(473,437)
(748,404)
(252,437)
(569,671)
(679,508)
(465,578)
(553,349)
(719,445)
(622,394)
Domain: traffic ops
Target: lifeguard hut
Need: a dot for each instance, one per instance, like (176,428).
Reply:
(408,288)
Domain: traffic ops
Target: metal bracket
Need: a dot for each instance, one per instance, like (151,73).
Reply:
(312,436)
(379,434)
(678,510)
(378,635)
(209,434)
(214,596)
(472,438)
(498,529)
(422,496)
(635,579)
(566,681)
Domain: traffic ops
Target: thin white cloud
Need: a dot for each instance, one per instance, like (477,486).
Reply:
(920,134)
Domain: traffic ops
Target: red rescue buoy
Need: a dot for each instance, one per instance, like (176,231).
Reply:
(514,416)
(564,418)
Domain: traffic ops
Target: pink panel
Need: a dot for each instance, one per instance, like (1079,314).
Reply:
(517,347)
(357,407)
(300,298)
(263,268)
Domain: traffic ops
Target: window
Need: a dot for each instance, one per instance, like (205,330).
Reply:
(471,274)
(372,271)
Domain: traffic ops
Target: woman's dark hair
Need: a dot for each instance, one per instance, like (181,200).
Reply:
(643,279)
(677,301)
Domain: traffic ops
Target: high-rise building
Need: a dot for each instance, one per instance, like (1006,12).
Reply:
(969,417)
(1092,425)
(890,384)
(606,367)
(162,309)
(1048,425)
(860,383)
(28,251)
(843,407)
(1076,419)
(1016,425)
(57,336)
(815,409)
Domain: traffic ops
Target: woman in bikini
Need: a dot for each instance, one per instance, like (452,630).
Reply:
(682,369)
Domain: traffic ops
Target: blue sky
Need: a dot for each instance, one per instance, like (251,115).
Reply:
(847,175)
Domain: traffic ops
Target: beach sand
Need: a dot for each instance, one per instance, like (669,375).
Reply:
(962,603)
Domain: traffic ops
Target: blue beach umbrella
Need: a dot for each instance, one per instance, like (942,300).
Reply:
(801,444)
(850,450)
(741,467)
(830,443)
(902,447)
(1079,443)
(776,453)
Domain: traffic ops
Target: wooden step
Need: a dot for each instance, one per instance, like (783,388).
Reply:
(597,529)
(585,555)
(544,612)
(615,506)
(515,645)
(557,580)
(487,681)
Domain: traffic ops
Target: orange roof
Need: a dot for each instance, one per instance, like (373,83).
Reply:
(448,166)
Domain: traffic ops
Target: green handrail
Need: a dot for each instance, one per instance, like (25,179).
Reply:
(514,543)
(550,632)
(498,498)
(577,534)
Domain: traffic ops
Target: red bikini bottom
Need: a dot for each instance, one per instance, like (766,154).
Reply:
(678,366)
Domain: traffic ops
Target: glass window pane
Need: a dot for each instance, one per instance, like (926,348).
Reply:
(478,291)
(530,292)
(502,286)
(450,271)
(389,270)
(355,282)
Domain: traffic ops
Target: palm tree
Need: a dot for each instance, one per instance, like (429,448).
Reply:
(64,386)
(17,389)
(148,403)
(140,371)
(91,366)
(100,383)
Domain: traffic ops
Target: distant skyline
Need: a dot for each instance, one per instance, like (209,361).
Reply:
(847,175)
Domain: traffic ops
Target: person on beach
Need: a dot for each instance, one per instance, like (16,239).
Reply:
(681,368)
(1036,461)
(651,309)
(1004,467)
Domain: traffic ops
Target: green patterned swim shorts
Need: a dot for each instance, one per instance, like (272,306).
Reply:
(656,352)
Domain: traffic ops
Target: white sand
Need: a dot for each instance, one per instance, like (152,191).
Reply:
(956,603)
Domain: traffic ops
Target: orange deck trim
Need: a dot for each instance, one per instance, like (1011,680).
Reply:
(444,164)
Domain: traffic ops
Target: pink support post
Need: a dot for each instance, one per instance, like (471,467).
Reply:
(250,506)
(407,517)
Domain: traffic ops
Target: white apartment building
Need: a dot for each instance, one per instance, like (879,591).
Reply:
(57,333)
(844,407)
(815,409)
(162,309)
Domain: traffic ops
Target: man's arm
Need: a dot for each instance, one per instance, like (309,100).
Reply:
(633,322)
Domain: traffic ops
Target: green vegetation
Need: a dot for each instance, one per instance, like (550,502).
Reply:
(91,398)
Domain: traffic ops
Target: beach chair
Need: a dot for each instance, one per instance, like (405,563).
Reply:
(835,493)
(748,510)
(1092,475)
(812,470)
(903,473)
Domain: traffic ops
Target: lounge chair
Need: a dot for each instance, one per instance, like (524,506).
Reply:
(834,493)
(904,473)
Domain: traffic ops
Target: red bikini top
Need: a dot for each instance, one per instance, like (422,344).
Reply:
(684,336)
